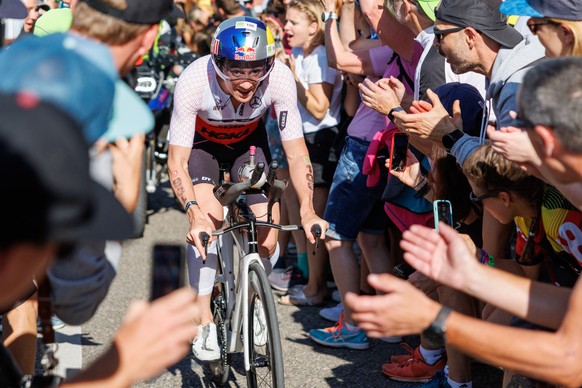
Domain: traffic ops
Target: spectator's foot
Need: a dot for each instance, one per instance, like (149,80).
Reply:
(56,322)
(205,345)
(439,380)
(283,279)
(414,368)
(398,358)
(332,313)
(339,336)
(299,298)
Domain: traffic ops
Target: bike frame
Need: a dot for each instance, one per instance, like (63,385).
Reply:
(237,289)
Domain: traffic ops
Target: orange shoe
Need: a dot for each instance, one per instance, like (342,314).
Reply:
(414,369)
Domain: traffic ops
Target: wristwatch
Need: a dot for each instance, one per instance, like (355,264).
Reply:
(451,138)
(436,332)
(391,113)
(325,16)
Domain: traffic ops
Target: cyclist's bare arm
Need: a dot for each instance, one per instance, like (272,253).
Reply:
(181,182)
(301,173)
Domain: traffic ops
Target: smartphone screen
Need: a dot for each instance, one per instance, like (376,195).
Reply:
(443,212)
(399,149)
(167,269)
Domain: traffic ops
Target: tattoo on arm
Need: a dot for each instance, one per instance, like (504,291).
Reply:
(309,177)
(179,189)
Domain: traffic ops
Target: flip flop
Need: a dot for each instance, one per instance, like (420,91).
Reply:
(299,299)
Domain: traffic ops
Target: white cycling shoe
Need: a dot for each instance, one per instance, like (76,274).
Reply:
(205,345)
(260,332)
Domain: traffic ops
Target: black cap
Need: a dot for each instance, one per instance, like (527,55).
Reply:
(480,15)
(139,11)
(47,192)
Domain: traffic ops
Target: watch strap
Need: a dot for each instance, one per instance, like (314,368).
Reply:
(451,138)
(391,113)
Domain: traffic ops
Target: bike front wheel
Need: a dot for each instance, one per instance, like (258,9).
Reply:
(266,354)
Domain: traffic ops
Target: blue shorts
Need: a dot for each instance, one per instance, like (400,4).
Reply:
(353,207)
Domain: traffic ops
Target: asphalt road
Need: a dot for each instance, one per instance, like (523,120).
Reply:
(306,364)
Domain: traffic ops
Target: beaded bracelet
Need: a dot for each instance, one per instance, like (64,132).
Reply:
(188,204)
(486,258)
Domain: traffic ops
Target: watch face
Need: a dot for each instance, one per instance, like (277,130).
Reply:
(435,336)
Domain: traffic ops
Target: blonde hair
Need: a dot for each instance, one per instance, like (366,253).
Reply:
(576,28)
(313,9)
(105,28)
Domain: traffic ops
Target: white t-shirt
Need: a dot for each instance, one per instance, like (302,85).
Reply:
(313,69)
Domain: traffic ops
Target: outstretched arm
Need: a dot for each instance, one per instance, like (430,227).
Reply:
(403,309)
(445,257)
(152,337)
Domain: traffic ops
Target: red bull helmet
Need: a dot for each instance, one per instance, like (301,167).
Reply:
(243,48)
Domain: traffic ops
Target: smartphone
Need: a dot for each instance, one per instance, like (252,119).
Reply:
(443,212)
(403,270)
(167,269)
(398,151)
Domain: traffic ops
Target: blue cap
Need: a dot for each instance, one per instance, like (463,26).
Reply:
(558,9)
(78,75)
(51,69)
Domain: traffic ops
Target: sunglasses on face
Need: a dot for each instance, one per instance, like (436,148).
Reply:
(534,27)
(479,198)
(440,34)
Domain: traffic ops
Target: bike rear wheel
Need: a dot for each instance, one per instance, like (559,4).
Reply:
(220,368)
(266,355)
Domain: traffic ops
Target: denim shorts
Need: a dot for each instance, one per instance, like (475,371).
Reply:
(353,207)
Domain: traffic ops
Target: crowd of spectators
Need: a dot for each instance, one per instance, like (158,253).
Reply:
(488,94)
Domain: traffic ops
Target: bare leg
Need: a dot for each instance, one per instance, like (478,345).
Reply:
(19,334)
(376,252)
(459,363)
(345,269)
(317,285)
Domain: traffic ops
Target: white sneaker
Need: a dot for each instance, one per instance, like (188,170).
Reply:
(259,324)
(332,313)
(205,345)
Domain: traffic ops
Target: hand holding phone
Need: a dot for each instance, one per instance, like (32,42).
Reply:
(443,212)
(398,151)
(167,269)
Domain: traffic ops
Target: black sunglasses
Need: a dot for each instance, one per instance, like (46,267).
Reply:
(439,34)
(478,198)
(534,27)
